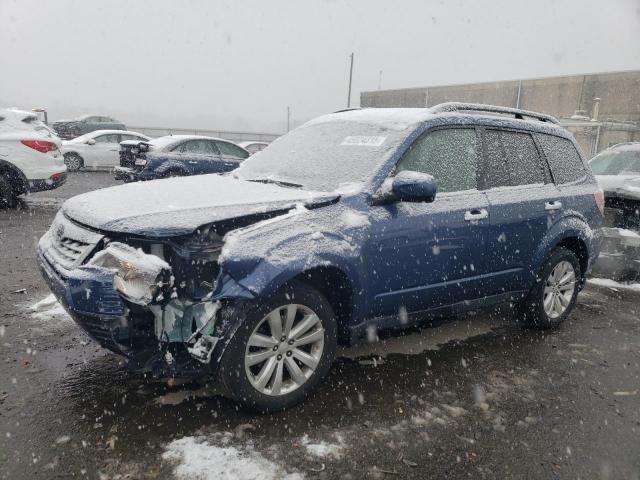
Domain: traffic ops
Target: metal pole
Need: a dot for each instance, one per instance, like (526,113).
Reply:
(288,118)
(519,91)
(350,78)
(597,142)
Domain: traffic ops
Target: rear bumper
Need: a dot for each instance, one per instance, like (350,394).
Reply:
(51,183)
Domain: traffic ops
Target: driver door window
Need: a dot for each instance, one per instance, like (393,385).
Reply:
(449,155)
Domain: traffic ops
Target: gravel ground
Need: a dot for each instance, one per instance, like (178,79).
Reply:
(475,397)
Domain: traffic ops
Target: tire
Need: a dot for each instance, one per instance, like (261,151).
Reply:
(8,197)
(242,382)
(73,161)
(552,298)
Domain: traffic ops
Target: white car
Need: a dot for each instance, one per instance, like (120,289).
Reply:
(253,146)
(30,157)
(99,148)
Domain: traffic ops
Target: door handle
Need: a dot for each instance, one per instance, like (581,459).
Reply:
(555,205)
(476,214)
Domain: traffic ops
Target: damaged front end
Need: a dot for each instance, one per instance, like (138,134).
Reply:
(152,302)
(620,253)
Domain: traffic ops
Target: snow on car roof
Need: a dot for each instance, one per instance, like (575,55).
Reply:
(626,147)
(251,142)
(97,133)
(170,139)
(394,118)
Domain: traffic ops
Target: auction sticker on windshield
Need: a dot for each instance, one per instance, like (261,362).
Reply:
(364,141)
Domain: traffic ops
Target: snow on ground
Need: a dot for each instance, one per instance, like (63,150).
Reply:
(324,449)
(197,458)
(606,282)
(49,309)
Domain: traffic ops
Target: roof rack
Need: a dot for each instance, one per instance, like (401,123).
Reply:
(478,107)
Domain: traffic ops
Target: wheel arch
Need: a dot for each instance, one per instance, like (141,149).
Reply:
(337,288)
(571,233)
(16,177)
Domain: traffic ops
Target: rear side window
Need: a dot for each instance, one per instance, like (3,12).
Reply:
(564,160)
(512,159)
(229,149)
(450,155)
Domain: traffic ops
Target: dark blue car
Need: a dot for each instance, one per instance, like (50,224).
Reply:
(177,156)
(354,222)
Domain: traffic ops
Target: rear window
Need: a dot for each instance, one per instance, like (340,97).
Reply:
(564,160)
(232,150)
(512,158)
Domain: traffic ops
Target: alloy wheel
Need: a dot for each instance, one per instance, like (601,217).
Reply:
(284,349)
(72,162)
(559,289)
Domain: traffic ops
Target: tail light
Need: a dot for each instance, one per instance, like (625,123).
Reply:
(40,145)
(600,200)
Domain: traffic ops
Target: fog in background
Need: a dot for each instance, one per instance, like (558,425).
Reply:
(238,64)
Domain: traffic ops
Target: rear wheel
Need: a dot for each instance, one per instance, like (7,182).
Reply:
(552,298)
(282,351)
(73,161)
(7,195)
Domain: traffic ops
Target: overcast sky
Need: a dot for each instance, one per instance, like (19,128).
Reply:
(238,64)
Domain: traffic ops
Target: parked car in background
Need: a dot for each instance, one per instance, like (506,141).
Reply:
(30,157)
(68,129)
(99,148)
(329,234)
(253,146)
(617,170)
(177,156)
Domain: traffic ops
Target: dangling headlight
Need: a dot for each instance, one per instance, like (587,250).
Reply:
(138,275)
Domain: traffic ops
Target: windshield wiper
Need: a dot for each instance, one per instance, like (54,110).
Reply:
(280,183)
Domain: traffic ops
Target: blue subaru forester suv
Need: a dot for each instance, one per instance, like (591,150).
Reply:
(356,221)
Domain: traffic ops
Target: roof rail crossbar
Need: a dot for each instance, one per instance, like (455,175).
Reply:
(478,107)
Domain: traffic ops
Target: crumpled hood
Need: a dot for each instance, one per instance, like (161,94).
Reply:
(178,206)
(627,186)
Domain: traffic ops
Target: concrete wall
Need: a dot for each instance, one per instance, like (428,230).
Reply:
(619,95)
(560,96)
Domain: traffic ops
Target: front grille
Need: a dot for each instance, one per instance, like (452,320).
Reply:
(69,249)
(66,244)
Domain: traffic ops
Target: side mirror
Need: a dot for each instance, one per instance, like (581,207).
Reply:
(411,186)
(91,141)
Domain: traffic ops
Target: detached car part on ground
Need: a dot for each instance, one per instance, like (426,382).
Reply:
(177,156)
(357,221)
(617,170)
(30,158)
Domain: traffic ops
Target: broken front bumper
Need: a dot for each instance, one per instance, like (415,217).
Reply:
(87,294)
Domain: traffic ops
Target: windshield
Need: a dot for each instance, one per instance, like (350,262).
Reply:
(616,163)
(326,155)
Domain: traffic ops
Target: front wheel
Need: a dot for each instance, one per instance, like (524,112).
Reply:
(553,296)
(282,351)
(73,161)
